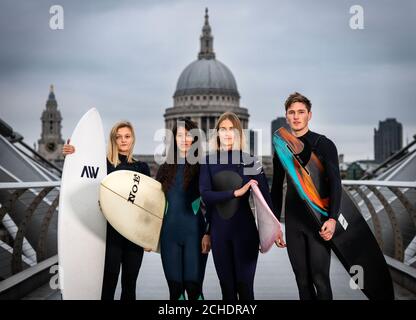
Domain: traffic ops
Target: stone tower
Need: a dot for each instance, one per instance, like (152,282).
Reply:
(51,142)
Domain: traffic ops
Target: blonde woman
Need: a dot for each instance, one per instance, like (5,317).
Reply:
(224,183)
(119,250)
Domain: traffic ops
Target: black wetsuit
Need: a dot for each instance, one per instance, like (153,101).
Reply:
(180,240)
(120,251)
(309,254)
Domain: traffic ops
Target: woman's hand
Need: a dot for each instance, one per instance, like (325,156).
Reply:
(240,192)
(280,241)
(206,243)
(68,148)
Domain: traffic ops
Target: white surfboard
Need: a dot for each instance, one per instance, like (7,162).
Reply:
(134,204)
(267,224)
(81,225)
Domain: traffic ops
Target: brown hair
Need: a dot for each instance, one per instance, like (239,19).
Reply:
(112,153)
(236,124)
(297,97)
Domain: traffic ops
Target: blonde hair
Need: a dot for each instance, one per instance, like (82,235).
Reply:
(112,153)
(235,120)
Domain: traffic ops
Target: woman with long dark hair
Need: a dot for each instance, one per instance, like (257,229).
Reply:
(183,246)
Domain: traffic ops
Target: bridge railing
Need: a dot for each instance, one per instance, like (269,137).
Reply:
(28,235)
(389,208)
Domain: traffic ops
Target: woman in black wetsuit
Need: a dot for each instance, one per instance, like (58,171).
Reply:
(183,246)
(119,250)
(224,181)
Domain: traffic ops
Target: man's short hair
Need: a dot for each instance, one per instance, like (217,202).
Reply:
(297,97)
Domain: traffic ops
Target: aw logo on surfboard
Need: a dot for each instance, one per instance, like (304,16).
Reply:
(134,188)
(90,172)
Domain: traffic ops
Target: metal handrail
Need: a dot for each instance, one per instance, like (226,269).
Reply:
(33,199)
(380,183)
(27,185)
(396,226)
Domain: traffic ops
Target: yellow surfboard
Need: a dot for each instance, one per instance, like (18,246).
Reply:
(134,204)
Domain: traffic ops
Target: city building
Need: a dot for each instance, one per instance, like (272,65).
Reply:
(388,139)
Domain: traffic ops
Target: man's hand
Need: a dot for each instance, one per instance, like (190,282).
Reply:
(280,242)
(328,229)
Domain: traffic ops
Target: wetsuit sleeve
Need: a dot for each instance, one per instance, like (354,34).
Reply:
(144,169)
(265,190)
(209,196)
(263,184)
(159,174)
(277,186)
(194,188)
(329,153)
(110,167)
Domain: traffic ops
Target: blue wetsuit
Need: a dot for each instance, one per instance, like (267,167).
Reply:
(180,241)
(234,235)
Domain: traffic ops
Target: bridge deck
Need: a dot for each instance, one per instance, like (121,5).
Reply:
(274,281)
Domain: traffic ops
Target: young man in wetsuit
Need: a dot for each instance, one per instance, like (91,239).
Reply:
(309,251)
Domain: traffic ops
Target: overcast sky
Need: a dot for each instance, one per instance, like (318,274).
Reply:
(124,58)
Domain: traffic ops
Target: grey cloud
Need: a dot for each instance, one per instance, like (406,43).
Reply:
(125,57)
